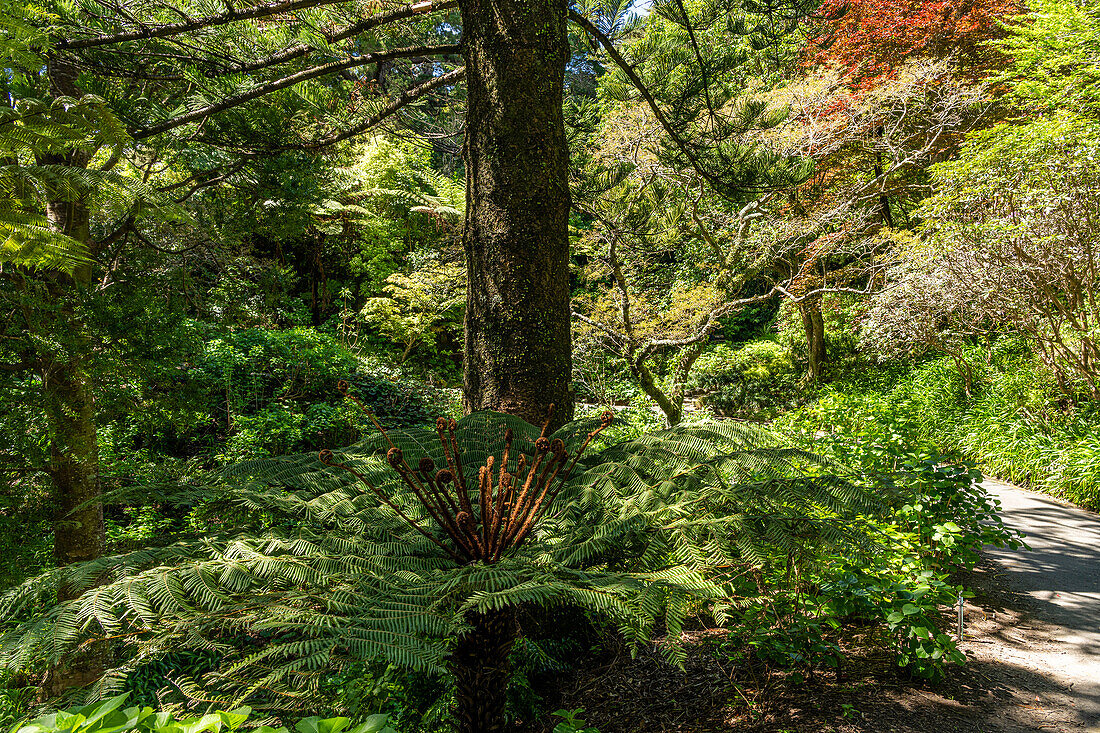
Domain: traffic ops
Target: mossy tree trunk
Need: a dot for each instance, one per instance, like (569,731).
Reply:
(813,323)
(518,349)
(64,356)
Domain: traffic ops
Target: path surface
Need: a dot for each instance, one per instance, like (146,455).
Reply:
(1059,579)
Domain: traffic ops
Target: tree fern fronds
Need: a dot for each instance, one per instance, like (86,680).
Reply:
(643,533)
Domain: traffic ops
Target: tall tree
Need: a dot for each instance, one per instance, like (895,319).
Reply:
(203,92)
(518,350)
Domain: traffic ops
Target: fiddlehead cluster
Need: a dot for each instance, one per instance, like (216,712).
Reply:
(483,517)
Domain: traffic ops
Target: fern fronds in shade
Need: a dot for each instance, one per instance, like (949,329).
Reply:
(303,568)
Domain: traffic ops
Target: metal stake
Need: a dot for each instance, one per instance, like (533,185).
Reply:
(960,616)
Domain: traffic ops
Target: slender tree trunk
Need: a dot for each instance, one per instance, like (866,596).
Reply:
(482,671)
(74,465)
(69,403)
(74,451)
(814,325)
(883,200)
(672,406)
(518,348)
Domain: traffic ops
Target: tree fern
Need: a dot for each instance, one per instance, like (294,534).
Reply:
(318,562)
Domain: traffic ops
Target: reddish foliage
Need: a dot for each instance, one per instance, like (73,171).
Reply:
(872,38)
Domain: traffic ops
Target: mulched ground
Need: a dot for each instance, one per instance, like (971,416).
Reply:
(716,692)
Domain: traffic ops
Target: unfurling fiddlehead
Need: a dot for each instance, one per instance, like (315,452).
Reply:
(507,503)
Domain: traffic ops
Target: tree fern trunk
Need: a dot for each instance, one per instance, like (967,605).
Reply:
(481,671)
(518,352)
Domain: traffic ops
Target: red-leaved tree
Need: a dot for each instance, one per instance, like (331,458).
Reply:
(871,39)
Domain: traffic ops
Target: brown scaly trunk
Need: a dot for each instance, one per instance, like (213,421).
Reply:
(481,670)
(518,350)
(814,325)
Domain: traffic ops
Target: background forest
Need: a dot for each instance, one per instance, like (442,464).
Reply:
(823,262)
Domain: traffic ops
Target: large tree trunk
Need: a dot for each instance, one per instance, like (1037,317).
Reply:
(482,671)
(74,452)
(68,398)
(813,323)
(518,350)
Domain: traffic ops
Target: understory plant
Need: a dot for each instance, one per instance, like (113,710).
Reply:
(939,518)
(109,716)
(419,547)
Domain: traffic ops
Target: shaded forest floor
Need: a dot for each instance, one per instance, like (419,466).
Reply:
(717,693)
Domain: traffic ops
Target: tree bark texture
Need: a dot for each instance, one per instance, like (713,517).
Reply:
(67,391)
(74,465)
(814,325)
(481,670)
(63,357)
(517,348)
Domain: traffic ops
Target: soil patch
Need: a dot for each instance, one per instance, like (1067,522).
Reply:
(870,693)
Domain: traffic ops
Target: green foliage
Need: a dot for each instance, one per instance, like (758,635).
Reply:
(940,519)
(755,380)
(419,304)
(1053,51)
(143,684)
(109,716)
(34,134)
(277,391)
(16,699)
(299,570)
(571,722)
(414,702)
(1015,424)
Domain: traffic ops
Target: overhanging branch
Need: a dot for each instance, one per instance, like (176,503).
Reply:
(403,99)
(193,24)
(612,52)
(289,81)
(300,50)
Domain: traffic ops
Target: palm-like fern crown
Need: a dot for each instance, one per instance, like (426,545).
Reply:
(307,564)
(509,497)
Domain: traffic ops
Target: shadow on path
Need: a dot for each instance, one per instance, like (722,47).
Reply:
(1059,582)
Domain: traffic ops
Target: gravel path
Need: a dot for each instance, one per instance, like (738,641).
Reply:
(1059,581)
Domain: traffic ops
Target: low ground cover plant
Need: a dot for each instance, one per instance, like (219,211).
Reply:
(111,716)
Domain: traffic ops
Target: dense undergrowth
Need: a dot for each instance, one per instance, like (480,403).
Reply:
(788,609)
(1013,423)
(901,431)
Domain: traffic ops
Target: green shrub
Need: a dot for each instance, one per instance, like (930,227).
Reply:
(755,380)
(276,392)
(940,519)
(1014,424)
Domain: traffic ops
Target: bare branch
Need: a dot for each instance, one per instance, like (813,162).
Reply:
(597,325)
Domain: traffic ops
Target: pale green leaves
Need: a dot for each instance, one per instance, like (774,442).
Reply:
(108,716)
